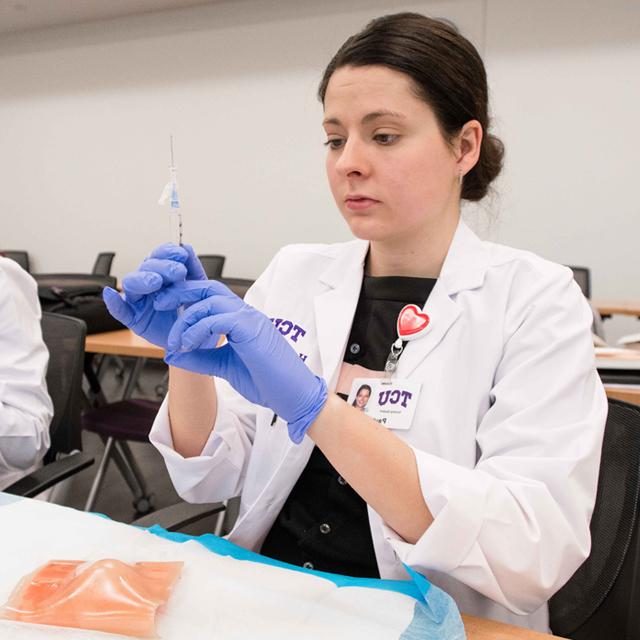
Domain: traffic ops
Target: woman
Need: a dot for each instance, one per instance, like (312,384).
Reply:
(362,397)
(482,475)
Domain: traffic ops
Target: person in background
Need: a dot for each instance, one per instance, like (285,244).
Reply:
(25,406)
(482,472)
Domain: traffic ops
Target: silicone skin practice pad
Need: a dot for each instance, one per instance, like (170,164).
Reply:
(107,595)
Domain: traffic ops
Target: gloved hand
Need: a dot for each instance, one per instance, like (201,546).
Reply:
(167,264)
(257,360)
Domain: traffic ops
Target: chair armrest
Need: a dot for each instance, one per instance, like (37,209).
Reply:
(178,516)
(50,474)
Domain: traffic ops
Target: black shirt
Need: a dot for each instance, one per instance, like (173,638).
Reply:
(324,524)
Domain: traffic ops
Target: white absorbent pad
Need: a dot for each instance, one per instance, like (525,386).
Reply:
(217,597)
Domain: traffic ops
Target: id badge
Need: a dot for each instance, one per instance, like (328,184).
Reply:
(388,401)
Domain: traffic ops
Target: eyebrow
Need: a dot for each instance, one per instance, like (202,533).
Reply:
(374,115)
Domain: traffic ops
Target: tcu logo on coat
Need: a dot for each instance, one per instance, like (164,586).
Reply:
(394,396)
(288,328)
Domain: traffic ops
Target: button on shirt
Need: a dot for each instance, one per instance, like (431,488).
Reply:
(324,523)
(25,406)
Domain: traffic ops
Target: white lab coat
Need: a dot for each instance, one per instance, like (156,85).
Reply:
(507,432)
(25,405)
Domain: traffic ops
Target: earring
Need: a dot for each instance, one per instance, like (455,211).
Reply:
(460,176)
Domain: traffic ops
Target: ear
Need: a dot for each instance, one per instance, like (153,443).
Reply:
(467,146)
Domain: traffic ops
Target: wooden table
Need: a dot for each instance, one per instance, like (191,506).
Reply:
(482,629)
(613,358)
(122,343)
(117,343)
(619,392)
(618,366)
(620,307)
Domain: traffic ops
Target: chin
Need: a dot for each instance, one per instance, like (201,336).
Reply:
(365,228)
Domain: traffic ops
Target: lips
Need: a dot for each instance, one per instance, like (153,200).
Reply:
(359,202)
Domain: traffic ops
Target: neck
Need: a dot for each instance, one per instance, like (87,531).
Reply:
(419,255)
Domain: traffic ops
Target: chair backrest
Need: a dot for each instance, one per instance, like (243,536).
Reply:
(102,265)
(582,275)
(21,257)
(64,337)
(212,265)
(71,282)
(597,326)
(601,599)
(239,286)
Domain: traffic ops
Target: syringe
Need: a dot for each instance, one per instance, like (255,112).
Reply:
(170,192)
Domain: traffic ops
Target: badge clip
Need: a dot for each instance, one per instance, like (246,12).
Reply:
(412,323)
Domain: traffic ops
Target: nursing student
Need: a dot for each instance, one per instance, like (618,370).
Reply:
(25,406)
(477,460)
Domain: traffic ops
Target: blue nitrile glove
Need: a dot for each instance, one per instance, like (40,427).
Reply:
(257,360)
(167,264)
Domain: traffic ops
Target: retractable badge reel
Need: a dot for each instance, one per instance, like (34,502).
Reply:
(391,401)
(412,324)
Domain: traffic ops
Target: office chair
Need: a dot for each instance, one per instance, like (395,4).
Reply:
(212,265)
(597,326)
(64,338)
(601,599)
(118,423)
(239,286)
(21,257)
(180,516)
(102,265)
(582,275)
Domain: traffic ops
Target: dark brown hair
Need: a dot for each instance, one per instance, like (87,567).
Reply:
(447,73)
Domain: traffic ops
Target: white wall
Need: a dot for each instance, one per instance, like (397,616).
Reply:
(86,111)
(566,86)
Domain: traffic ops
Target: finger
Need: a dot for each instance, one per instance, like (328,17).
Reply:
(214,362)
(138,284)
(117,307)
(203,334)
(184,254)
(190,292)
(187,337)
(152,275)
(171,251)
(200,310)
(195,270)
(170,270)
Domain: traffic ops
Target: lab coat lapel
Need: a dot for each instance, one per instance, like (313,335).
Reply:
(463,268)
(443,312)
(335,307)
(334,310)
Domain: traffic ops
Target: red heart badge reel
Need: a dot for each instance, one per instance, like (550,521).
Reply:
(412,323)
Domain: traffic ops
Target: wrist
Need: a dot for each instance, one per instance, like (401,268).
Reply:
(326,416)
(298,428)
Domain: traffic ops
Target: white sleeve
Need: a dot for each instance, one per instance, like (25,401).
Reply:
(25,405)
(516,527)
(218,472)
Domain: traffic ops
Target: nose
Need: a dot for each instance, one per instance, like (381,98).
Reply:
(353,160)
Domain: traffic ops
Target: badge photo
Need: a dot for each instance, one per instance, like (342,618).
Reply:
(388,401)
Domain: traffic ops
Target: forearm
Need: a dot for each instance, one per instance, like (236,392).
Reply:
(192,410)
(379,466)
